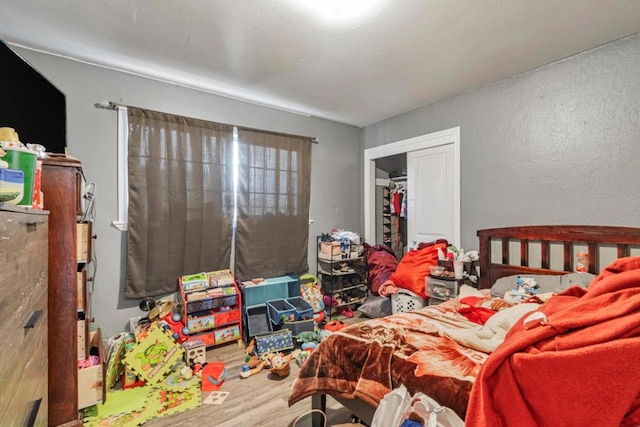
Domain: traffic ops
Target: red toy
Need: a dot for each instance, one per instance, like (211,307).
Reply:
(213,375)
(319,316)
(174,322)
(335,325)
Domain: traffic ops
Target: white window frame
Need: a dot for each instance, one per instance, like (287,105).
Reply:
(123,183)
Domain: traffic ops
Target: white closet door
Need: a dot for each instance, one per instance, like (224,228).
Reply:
(431,194)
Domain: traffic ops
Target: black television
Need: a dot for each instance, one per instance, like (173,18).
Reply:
(31,105)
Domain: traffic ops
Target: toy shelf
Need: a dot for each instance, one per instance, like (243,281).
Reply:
(265,301)
(272,288)
(211,307)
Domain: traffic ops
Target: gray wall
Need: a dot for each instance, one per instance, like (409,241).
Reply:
(91,137)
(556,145)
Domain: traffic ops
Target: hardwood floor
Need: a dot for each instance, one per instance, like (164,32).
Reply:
(260,400)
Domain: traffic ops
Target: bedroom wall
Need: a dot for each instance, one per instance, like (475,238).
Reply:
(91,136)
(555,145)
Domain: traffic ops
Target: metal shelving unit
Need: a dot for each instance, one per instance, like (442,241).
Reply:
(343,279)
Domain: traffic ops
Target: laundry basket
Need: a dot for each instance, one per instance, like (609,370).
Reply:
(406,300)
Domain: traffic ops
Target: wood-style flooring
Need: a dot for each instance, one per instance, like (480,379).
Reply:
(260,400)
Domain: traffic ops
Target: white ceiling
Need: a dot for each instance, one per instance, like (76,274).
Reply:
(397,55)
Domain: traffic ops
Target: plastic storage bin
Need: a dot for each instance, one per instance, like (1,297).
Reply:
(406,300)
(304,311)
(279,310)
(441,289)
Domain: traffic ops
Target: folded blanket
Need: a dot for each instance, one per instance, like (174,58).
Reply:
(576,365)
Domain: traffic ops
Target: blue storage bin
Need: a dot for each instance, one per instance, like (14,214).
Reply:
(304,311)
(274,342)
(279,310)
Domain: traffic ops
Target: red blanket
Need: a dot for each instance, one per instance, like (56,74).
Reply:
(578,367)
(381,263)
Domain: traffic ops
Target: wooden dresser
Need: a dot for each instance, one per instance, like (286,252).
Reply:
(61,185)
(23,310)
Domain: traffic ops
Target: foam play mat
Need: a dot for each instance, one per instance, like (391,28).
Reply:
(122,408)
(154,356)
(135,406)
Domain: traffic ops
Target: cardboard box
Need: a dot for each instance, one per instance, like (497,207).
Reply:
(330,249)
(91,384)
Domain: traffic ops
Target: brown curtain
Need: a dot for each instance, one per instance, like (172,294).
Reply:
(180,200)
(273,204)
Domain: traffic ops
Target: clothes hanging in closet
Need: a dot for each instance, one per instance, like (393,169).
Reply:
(399,200)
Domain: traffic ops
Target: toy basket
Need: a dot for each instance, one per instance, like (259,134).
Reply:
(279,310)
(304,311)
(257,321)
(406,300)
(274,342)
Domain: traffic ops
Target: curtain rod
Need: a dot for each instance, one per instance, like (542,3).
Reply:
(108,105)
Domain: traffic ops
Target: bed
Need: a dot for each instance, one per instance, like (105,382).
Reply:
(423,350)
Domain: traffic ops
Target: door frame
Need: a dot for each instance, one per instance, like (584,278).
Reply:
(434,139)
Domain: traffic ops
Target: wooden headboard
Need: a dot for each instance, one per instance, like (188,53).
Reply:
(569,237)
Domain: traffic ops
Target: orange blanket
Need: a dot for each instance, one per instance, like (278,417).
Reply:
(578,367)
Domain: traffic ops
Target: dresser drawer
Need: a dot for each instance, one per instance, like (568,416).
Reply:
(23,310)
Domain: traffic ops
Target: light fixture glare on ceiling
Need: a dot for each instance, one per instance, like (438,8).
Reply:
(341,10)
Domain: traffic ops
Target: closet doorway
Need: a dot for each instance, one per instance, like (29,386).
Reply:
(433,186)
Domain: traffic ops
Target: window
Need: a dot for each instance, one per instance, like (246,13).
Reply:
(274,178)
(187,179)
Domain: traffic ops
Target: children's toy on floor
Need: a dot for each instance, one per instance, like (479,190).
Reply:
(335,325)
(154,356)
(115,353)
(280,365)
(213,375)
(173,322)
(300,356)
(195,352)
(247,371)
(305,337)
(311,292)
(180,379)
(308,346)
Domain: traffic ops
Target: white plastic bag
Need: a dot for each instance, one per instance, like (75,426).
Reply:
(391,408)
(396,406)
(431,412)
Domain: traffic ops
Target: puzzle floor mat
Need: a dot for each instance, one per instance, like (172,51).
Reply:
(134,407)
